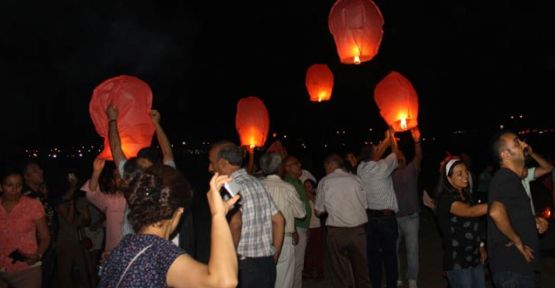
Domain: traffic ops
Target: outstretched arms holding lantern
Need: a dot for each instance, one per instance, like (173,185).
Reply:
(418,154)
(113,135)
(163,140)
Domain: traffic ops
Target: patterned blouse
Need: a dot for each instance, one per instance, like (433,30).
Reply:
(140,260)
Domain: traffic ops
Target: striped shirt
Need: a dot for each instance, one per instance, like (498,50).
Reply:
(342,196)
(257,208)
(287,200)
(378,185)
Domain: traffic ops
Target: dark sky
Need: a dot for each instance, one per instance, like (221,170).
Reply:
(472,63)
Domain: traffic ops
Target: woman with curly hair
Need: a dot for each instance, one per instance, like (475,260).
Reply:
(459,222)
(156,200)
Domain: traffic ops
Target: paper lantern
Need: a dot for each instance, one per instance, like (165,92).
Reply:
(356,26)
(319,82)
(133,99)
(252,122)
(398,102)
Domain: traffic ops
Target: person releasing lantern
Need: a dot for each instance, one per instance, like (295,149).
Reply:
(133,99)
(356,26)
(319,82)
(398,102)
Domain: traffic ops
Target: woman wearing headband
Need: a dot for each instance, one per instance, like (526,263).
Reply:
(459,220)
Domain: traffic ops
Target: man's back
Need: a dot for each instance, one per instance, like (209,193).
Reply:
(341,194)
(257,208)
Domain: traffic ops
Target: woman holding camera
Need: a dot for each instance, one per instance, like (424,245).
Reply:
(156,199)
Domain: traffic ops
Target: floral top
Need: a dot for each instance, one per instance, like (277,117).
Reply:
(149,268)
(18,230)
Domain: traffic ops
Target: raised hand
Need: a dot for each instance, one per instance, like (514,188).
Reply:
(155,116)
(112,112)
(215,201)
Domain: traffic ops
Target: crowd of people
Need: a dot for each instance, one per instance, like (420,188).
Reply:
(130,224)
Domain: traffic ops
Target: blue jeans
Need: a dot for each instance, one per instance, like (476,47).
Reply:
(467,278)
(408,229)
(509,279)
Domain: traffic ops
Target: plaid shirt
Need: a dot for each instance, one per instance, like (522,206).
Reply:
(257,208)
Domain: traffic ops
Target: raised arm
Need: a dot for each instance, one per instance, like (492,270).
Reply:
(113,135)
(222,268)
(382,146)
(418,153)
(498,213)
(98,166)
(163,140)
(544,166)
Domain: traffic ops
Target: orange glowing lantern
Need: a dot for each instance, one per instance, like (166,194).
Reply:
(133,99)
(252,122)
(398,102)
(356,26)
(319,82)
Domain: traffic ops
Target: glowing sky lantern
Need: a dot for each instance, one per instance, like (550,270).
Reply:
(398,102)
(133,99)
(319,82)
(356,26)
(252,122)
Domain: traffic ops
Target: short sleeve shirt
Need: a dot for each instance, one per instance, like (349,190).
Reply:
(461,235)
(506,188)
(149,268)
(257,208)
(18,230)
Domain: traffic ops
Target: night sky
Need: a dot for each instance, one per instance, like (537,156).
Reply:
(473,63)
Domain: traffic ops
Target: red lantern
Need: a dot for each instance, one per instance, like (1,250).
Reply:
(356,26)
(133,99)
(319,82)
(398,102)
(252,122)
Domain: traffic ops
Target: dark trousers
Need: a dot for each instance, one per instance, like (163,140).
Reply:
(382,235)
(48,267)
(257,272)
(314,257)
(346,257)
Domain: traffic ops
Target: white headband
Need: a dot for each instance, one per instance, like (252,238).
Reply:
(449,165)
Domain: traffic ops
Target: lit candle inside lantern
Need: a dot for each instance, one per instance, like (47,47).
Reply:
(403,123)
(321,96)
(356,53)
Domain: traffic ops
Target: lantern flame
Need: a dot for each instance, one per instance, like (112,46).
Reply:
(321,96)
(403,123)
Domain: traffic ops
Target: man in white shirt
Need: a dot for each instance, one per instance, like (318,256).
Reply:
(382,233)
(287,200)
(341,195)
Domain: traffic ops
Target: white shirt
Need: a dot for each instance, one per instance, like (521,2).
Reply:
(378,185)
(287,200)
(341,194)
(526,183)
